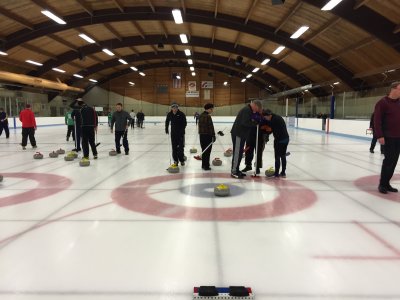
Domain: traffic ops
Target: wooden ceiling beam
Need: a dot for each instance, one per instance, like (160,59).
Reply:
(183,6)
(137,27)
(308,68)
(85,7)
(377,71)
(75,65)
(237,40)
(10,61)
(164,28)
(288,53)
(250,11)
(40,51)
(396,29)
(119,5)
(360,3)
(151,6)
(15,18)
(113,31)
(46,6)
(63,42)
(213,34)
(355,46)
(262,46)
(324,28)
(286,18)
(95,59)
(216,8)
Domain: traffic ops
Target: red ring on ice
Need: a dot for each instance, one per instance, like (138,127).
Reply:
(49,184)
(292,198)
(370,184)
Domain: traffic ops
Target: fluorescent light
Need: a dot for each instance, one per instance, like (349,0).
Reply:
(270,86)
(337,82)
(141,73)
(78,76)
(3,53)
(52,16)
(331,4)
(92,80)
(193,73)
(131,83)
(243,80)
(278,50)
(86,38)
(108,52)
(265,61)
(225,83)
(176,13)
(190,62)
(134,68)
(248,76)
(178,77)
(58,70)
(306,90)
(184,38)
(256,70)
(388,71)
(299,32)
(34,62)
(187,52)
(191,68)
(122,61)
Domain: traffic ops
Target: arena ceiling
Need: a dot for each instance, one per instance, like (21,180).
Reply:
(353,46)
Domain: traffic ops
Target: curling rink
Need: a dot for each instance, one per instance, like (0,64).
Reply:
(124,228)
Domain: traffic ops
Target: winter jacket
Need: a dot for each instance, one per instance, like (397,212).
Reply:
(89,116)
(121,120)
(178,122)
(243,123)
(206,125)
(27,118)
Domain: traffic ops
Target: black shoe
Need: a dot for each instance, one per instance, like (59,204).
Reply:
(126,152)
(283,175)
(237,175)
(257,171)
(34,147)
(118,151)
(382,189)
(389,188)
(207,169)
(67,139)
(76,150)
(370,150)
(182,163)
(247,168)
(276,175)
(95,156)
(243,174)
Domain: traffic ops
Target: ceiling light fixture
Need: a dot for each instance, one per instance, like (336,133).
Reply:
(3,53)
(243,80)
(337,82)
(193,74)
(78,76)
(299,32)
(93,80)
(265,61)
(389,71)
(225,83)
(122,61)
(58,70)
(142,74)
(256,70)
(52,16)
(176,13)
(248,76)
(87,38)
(331,4)
(187,52)
(190,62)
(191,68)
(108,52)
(34,62)
(131,83)
(278,50)
(134,68)
(184,38)
(178,77)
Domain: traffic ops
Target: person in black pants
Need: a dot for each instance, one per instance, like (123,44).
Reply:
(178,125)
(387,131)
(281,140)
(374,138)
(76,115)
(89,126)
(122,121)
(4,123)
(207,135)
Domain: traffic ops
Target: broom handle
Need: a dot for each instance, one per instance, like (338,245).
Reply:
(206,148)
(255,171)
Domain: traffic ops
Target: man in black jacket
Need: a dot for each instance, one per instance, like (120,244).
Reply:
(281,140)
(76,115)
(122,120)
(89,126)
(240,131)
(207,135)
(178,125)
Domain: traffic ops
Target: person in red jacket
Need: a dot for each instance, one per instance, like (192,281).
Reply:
(27,118)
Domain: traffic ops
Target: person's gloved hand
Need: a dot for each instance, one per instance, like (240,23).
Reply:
(214,139)
(166,131)
(220,133)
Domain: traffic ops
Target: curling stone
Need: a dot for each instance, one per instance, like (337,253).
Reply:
(221,190)
(73,154)
(84,162)
(193,150)
(60,151)
(53,154)
(1,178)
(69,157)
(112,153)
(38,155)
(228,152)
(217,162)
(173,169)
(270,172)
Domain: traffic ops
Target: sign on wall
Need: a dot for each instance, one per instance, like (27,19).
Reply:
(192,85)
(207,84)
(207,94)
(192,94)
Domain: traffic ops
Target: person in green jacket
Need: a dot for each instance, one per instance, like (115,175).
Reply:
(69,121)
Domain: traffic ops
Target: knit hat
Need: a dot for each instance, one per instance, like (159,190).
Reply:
(208,106)
(174,105)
